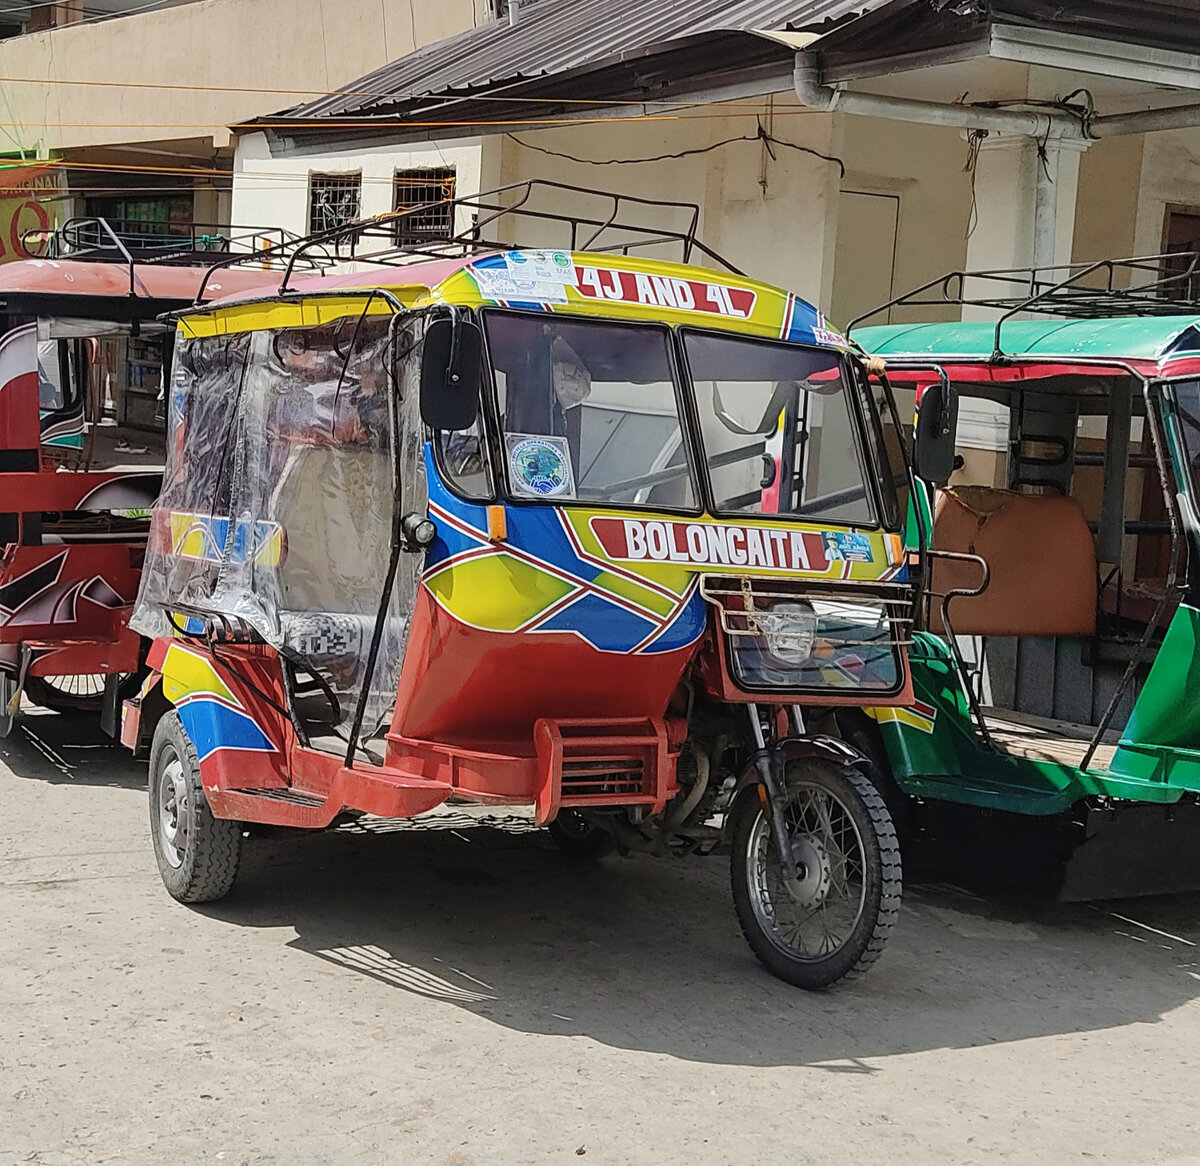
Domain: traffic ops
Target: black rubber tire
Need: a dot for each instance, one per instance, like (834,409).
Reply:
(862,733)
(882,877)
(8,689)
(40,691)
(578,838)
(213,851)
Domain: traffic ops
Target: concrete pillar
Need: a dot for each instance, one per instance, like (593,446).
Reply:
(1024,207)
(1024,217)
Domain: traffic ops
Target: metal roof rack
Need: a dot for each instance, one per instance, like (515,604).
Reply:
(134,242)
(581,232)
(1149,285)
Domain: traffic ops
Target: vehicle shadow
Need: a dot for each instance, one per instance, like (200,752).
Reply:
(68,749)
(646,954)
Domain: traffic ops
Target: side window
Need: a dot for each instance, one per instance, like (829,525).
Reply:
(887,448)
(52,371)
(462,459)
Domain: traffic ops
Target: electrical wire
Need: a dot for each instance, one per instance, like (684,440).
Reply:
(400,123)
(762,136)
(593,102)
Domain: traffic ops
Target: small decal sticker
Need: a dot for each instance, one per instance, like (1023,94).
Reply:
(541,266)
(540,467)
(826,336)
(847,547)
(505,287)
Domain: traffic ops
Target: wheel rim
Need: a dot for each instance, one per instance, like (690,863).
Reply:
(174,809)
(817,915)
(78,686)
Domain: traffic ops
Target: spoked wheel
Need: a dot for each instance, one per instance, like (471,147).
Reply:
(83,692)
(575,836)
(828,916)
(198,855)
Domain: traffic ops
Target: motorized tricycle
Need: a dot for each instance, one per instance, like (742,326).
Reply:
(83,362)
(1055,738)
(604,535)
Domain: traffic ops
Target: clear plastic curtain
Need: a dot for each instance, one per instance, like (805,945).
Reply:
(279,498)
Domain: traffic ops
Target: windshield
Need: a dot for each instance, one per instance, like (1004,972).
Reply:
(589,411)
(778,429)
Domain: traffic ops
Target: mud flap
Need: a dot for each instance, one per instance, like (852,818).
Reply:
(110,706)
(1085,854)
(1135,850)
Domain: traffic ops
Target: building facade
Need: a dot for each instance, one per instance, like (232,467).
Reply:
(132,103)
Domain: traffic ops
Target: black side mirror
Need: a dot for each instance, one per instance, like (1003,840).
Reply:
(937,426)
(450,364)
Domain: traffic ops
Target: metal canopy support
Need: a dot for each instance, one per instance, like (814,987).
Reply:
(1110,538)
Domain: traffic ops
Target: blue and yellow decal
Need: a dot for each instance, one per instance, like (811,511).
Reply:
(212,715)
(622,582)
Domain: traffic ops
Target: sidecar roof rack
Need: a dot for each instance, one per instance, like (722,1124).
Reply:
(134,243)
(401,236)
(1148,285)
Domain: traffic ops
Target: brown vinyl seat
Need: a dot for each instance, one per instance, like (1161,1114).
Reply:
(1041,555)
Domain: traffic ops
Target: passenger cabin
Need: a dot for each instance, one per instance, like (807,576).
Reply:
(1064,486)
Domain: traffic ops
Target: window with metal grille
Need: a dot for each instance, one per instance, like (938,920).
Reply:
(429,194)
(333,199)
(500,8)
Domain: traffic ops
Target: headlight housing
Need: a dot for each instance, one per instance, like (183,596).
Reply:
(790,631)
(779,636)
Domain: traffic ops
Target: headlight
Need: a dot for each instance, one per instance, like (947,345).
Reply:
(790,630)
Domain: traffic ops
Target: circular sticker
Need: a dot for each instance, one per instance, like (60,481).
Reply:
(540,467)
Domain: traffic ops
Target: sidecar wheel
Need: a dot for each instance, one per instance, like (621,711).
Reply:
(198,855)
(8,689)
(833,924)
(578,838)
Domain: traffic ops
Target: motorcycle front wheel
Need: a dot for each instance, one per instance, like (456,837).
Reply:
(830,919)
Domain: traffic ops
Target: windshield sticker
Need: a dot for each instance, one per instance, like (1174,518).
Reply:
(541,266)
(833,339)
(701,544)
(502,287)
(540,467)
(665,291)
(847,547)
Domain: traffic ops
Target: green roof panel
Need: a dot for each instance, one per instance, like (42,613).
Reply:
(1142,338)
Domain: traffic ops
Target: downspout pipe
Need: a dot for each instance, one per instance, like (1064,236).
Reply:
(1035,124)
(825,98)
(1145,121)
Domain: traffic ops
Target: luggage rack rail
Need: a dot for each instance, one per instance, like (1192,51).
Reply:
(1149,285)
(134,242)
(611,228)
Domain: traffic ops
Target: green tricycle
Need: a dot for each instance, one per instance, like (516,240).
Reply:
(1054,740)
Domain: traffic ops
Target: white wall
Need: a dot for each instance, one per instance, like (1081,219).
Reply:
(921,195)
(1170,176)
(774,218)
(250,53)
(273,191)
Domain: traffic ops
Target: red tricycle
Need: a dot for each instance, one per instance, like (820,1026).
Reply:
(607,536)
(84,361)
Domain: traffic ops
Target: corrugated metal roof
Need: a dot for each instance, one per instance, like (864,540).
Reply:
(560,37)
